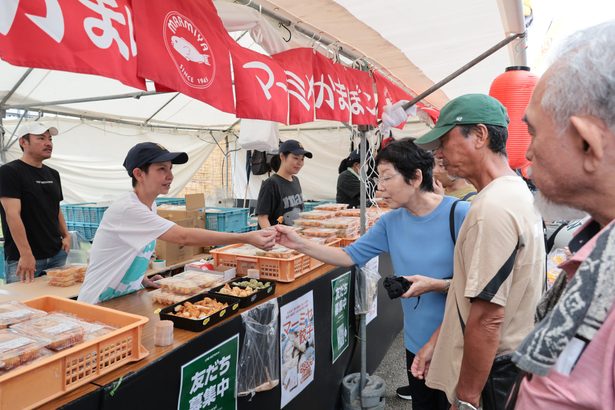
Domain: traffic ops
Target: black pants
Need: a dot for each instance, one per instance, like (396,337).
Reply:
(499,383)
(423,397)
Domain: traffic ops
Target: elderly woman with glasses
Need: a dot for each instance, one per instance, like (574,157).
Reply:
(419,235)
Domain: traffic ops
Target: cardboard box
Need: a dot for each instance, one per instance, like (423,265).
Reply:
(180,212)
(174,253)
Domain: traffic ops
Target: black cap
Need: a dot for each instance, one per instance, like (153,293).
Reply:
(354,156)
(149,153)
(294,147)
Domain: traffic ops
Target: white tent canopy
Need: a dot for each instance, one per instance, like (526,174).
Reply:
(416,43)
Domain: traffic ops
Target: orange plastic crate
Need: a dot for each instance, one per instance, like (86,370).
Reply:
(281,270)
(36,383)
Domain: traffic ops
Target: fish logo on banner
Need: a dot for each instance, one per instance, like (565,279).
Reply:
(190,51)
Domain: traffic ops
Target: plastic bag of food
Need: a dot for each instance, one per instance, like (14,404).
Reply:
(258,364)
(366,287)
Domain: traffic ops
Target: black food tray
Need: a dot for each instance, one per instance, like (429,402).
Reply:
(248,300)
(198,325)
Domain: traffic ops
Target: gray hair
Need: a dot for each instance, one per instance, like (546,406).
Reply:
(582,78)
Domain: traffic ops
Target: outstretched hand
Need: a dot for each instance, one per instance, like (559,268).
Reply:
(287,236)
(263,239)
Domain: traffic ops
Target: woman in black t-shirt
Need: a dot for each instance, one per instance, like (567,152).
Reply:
(280,195)
(348,182)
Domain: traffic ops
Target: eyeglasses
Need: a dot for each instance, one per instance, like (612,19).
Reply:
(384,180)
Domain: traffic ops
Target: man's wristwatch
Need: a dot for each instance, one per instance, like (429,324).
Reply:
(464,405)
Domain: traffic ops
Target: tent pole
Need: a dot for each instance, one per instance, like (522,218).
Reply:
(84,100)
(15,87)
(463,69)
(363,203)
(160,109)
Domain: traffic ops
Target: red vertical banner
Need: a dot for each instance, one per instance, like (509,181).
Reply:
(183,46)
(260,86)
(361,97)
(86,36)
(297,64)
(388,93)
(330,90)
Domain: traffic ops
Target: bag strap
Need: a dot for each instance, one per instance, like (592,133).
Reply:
(551,240)
(468,195)
(451,221)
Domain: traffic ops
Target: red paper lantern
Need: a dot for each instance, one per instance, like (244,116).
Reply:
(513,89)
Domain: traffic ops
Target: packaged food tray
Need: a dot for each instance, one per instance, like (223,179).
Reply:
(34,384)
(198,325)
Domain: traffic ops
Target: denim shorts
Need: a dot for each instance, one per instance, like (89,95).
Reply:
(10,267)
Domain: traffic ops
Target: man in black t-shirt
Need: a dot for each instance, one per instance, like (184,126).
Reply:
(35,233)
(280,195)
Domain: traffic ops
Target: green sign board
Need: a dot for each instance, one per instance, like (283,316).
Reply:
(210,380)
(340,290)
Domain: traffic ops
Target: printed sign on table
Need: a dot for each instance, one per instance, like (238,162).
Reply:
(340,291)
(210,381)
(297,349)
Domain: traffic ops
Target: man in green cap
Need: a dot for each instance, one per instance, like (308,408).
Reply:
(499,260)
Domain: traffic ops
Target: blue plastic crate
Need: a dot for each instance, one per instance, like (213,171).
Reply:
(310,205)
(226,219)
(170,201)
(87,230)
(87,212)
(245,229)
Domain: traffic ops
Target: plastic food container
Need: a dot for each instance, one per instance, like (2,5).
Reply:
(61,331)
(15,312)
(18,348)
(179,285)
(320,232)
(317,214)
(202,279)
(161,297)
(331,207)
(308,223)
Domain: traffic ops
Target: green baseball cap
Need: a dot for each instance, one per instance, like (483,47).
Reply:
(464,110)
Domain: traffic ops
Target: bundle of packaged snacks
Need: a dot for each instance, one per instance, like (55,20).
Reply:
(331,207)
(341,223)
(199,310)
(320,232)
(278,252)
(165,298)
(79,272)
(66,275)
(245,250)
(308,223)
(61,331)
(179,285)
(204,280)
(15,312)
(355,212)
(92,329)
(317,214)
(17,348)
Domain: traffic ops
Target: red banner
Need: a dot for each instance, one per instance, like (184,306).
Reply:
(183,46)
(297,65)
(388,92)
(86,36)
(330,90)
(260,86)
(362,98)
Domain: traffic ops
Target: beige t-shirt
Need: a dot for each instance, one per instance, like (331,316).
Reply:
(501,231)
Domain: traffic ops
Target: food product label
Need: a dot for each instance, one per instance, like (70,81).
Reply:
(14,344)
(60,328)
(209,381)
(14,314)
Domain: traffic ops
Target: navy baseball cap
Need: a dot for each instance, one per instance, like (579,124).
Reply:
(294,147)
(149,153)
